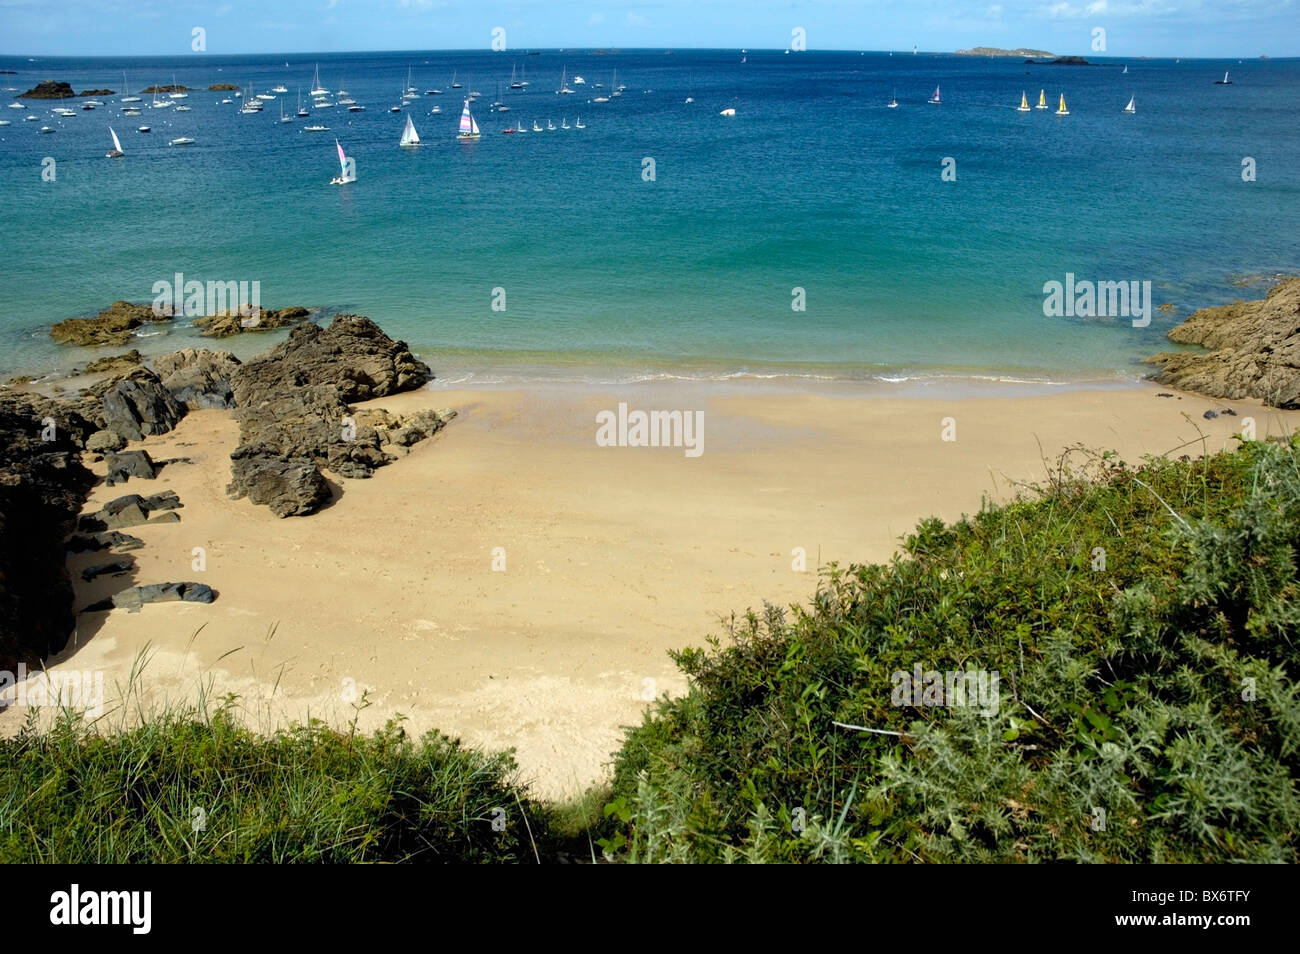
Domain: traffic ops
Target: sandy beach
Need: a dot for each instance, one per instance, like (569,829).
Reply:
(605,557)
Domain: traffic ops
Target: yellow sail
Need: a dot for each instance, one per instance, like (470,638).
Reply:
(1042,99)
(1024,103)
(1061,110)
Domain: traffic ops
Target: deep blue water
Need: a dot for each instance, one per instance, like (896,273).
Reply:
(814,183)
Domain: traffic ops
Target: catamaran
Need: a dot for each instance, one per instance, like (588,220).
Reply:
(116,152)
(345,175)
(409,136)
(934,100)
(468,128)
(1132,105)
(1061,110)
(1042,99)
(1024,103)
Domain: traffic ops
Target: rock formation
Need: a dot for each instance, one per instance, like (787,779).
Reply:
(49,89)
(227,323)
(198,378)
(140,405)
(112,326)
(1254,350)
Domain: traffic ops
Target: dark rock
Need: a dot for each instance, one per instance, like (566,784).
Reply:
(1209,415)
(222,87)
(49,89)
(165,500)
(141,405)
(115,362)
(291,404)
(227,323)
(170,516)
(112,326)
(97,92)
(290,487)
(198,378)
(129,510)
(127,464)
(42,488)
(1228,411)
(173,88)
(1164,394)
(137,596)
(69,418)
(106,569)
(108,540)
(1253,350)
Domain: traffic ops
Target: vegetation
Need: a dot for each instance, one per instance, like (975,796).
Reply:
(1147,712)
(1142,622)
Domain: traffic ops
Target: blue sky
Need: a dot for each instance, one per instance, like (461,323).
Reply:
(1185,28)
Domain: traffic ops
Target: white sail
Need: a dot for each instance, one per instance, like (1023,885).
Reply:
(409,136)
(117,145)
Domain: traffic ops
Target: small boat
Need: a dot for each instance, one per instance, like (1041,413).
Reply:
(143,129)
(316,88)
(433,92)
(550,126)
(578,124)
(617,90)
(90,104)
(409,136)
(537,128)
(436,110)
(265,97)
(1024,103)
(343,178)
(394,109)
(177,92)
(181,141)
(116,152)
(893,100)
(315,129)
(17,106)
(63,111)
(601,99)
(130,112)
(1132,105)
(468,128)
(1042,100)
(729,111)
(184,109)
(564,123)
(1225,81)
(5,122)
(564,87)
(283,117)
(454,84)
(127,99)
(279,89)
(509,131)
(1061,110)
(579,81)
(31,118)
(302,113)
(224,102)
(354,108)
(321,104)
(1125,69)
(934,99)
(46,129)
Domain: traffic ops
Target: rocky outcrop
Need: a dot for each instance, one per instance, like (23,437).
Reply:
(98,92)
(59,420)
(227,323)
(294,416)
(105,441)
(1254,350)
(42,488)
(222,87)
(122,467)
(140,405)
(49,89)
(198,378)
(104,540)
(112,326)
(173,88)
(114,362)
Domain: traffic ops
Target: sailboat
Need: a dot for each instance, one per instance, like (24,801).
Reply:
(1042,100)
(343,178)
(618,90)
(1225,81)
(409,136)
(316,88)
(1125,69)
(1132,105)
(564,87)
(176,92)
(578,124)
(283,117)
(116,152)
(468,128)
(1061,110)
(514,83)
(454,84)
(301,112)
(1024,103)
(127,99)
(564,123)
(934,100)
(537,128)
(893,99)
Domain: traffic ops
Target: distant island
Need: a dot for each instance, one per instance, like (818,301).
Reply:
(995,51)
(1060,61)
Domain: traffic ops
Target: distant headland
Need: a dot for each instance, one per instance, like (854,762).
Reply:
(995,51)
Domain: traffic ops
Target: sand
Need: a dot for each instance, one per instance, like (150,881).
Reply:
(612,555)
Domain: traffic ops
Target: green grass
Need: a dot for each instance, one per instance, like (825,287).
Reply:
(1156,694)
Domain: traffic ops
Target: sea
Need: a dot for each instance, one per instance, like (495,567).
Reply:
(814,234)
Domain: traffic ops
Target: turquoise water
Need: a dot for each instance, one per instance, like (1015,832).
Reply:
(814,183)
